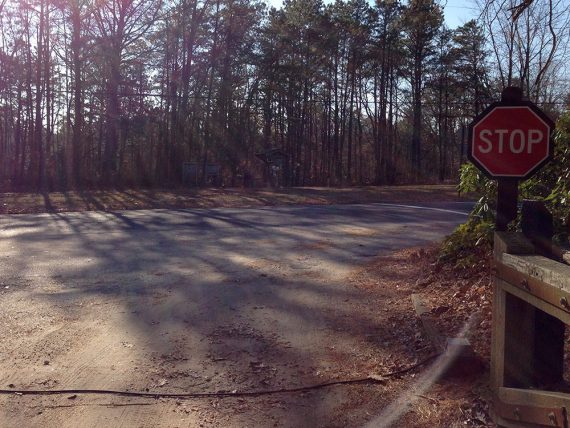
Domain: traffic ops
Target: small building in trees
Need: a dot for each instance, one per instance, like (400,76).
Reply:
(191,174)
(276,164)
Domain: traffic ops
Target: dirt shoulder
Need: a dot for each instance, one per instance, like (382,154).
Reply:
(454,297)
(112,200)
(372,330)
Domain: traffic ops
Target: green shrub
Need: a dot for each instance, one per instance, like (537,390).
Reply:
(551,184)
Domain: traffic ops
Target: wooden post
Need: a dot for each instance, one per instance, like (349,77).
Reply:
(507,196)
(512,345)
(520,343)
(548,358)
(537,225)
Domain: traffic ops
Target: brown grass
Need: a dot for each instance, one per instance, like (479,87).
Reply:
(111,200)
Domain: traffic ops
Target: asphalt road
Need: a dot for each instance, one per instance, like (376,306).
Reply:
(179,300)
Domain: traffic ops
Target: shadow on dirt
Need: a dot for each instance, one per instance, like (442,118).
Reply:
(219,299)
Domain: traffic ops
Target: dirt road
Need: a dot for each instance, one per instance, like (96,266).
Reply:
(202,300)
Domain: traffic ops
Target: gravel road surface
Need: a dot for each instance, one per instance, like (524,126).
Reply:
(193,300)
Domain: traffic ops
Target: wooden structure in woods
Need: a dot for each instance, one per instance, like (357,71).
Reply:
(273,156)
(531,307)
(275,161)
(190,174)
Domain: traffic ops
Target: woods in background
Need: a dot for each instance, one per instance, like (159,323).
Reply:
(122,92)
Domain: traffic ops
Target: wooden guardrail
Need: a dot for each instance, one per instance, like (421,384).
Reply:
(531,307)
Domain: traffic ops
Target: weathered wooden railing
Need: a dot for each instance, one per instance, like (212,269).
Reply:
(531,308)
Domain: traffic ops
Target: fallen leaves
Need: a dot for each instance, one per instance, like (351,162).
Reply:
(454,295)
(110,200)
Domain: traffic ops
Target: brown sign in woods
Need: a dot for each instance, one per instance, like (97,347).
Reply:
(510,139)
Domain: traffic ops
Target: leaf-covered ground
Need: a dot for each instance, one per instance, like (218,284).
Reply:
(455,296)
(128,199)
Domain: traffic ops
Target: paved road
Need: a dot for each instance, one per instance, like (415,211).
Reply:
(179,300)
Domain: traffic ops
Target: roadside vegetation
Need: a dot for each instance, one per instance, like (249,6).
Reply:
(454,277)
(472,241)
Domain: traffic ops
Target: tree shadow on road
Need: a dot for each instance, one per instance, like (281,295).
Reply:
(210,300)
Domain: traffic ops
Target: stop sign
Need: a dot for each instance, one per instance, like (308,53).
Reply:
(510,140)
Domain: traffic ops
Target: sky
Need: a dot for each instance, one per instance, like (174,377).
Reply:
(457,12)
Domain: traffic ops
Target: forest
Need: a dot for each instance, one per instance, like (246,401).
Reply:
(102,93)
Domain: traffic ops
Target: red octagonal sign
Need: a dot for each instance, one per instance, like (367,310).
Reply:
(510,140)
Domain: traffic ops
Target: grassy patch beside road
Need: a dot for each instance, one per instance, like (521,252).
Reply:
(110,200)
